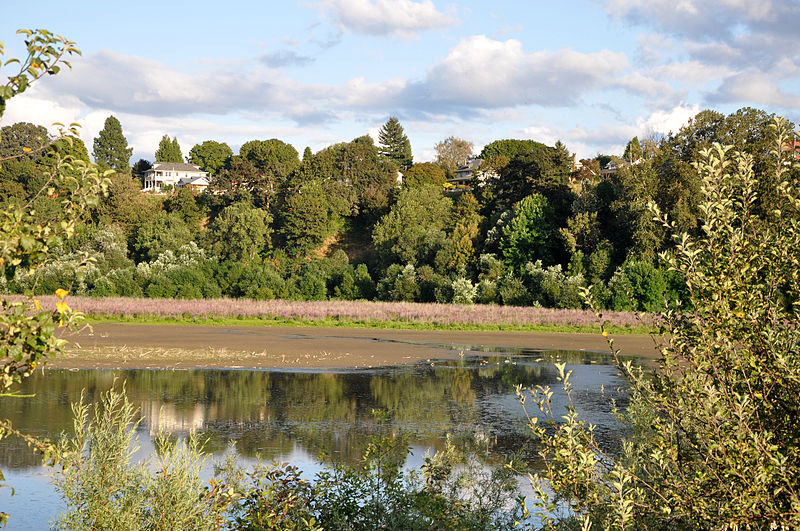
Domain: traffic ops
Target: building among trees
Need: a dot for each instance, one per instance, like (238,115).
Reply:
(175,174)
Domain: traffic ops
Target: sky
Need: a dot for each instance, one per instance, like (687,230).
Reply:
(592,74)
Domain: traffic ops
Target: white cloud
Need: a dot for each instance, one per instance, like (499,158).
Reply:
(664,122)
(694,72)
(754,87)
(483,72)
(395,18)
(646,86)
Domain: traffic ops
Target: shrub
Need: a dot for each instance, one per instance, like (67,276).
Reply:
(713,433)
(399,284)
(104,489)
(638,286)
(452,490)
(464,292)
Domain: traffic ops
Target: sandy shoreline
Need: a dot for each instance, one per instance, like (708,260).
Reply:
(127,345)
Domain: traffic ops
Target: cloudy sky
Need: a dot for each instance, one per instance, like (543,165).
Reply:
(316,72)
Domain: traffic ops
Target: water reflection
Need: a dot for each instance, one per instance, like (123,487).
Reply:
(277,413)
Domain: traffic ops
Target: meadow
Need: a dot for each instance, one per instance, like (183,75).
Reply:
(353,313)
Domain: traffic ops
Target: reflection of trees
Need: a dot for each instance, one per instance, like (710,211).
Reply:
(270,413)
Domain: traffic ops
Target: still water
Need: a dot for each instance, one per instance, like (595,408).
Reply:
(307,418)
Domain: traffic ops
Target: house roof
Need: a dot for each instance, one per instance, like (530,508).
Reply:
(196,181)
(175,166)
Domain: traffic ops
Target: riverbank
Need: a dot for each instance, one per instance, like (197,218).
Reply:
(131,345)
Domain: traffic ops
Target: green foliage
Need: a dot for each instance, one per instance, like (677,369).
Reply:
(311,216)
(450,491)
(211,156)
(24,141)
(633,151)
(357,175)
(510,148)
(105,489)
(45,56)
(27,331)
(273,154)
(394,144)
(413,230)
(527,237)
(240,232)
(169,150)
(184,202)
(423,173)
(714,436)
(638,286)
(125,205)
(161,232)
(399,284)
(111,149)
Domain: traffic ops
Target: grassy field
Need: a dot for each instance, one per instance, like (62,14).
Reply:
(357,314)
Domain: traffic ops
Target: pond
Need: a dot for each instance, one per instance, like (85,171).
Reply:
(301,416)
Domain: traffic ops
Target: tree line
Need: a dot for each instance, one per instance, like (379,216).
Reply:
(358,220)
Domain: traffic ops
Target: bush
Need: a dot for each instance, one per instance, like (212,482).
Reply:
(464,292)
(513,291)
(452,490)
(399,284)
(104,489)
(713,433)
(433,287)
(638,286)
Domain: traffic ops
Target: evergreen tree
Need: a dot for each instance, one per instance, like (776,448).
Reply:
(111,149)
(394,145)
(633,151)
(169,150)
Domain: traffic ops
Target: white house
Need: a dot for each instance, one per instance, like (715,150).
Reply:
(175,174)
(470,169)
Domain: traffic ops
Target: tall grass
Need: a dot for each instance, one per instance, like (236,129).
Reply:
(353,312)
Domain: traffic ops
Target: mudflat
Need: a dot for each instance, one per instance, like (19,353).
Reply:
(130,345)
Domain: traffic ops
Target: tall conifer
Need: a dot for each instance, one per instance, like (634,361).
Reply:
(111,149)
(393,144)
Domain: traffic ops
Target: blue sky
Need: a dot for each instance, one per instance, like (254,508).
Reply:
(590,73)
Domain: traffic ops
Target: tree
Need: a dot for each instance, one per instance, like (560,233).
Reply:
(510,148)
(311,215)
(161,232)
(633,151)
(357,174)
(126,205)
(169,150)
(394,145)
(273,156)
(423,173)
(713,429)
(141,166)
(240,232)
(414,229)
(26,139)
(211,156)
(452,152)
(528,237)
(111,149)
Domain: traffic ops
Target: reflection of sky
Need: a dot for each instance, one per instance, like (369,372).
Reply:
(292,417)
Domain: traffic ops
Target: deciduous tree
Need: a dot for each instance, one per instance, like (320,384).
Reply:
(211,155)
(452,152)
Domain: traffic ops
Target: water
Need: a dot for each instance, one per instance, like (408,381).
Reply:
(299,416)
